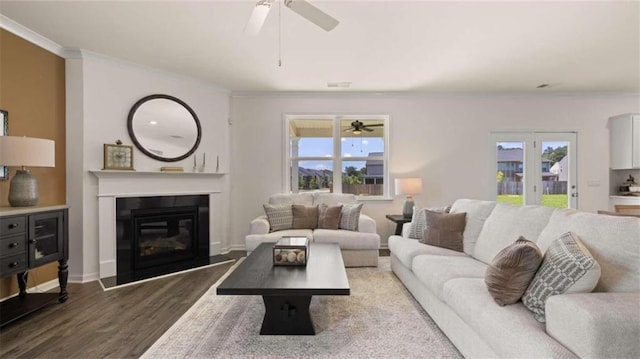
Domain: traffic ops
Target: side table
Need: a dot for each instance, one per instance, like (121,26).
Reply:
(399,220)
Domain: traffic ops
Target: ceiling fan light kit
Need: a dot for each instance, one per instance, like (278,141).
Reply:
(300,7)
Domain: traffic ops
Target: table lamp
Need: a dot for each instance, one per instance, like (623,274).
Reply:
(25,152)
(408,187)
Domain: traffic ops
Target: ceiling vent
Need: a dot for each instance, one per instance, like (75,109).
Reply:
(339,84)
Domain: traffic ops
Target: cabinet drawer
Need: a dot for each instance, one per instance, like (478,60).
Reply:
(13,264)
(12,225)
(10,246)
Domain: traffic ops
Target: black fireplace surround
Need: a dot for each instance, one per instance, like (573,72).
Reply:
(160,235)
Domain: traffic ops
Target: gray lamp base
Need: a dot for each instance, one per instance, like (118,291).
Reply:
(407,207)
(23,190)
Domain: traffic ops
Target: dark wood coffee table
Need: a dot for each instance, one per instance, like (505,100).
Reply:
(287,290)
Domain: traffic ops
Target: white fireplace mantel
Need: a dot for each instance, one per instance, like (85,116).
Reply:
(118,184)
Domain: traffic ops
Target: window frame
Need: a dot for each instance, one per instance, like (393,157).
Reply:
(336,158)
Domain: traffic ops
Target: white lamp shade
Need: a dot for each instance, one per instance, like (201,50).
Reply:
(408,186)
(27,151)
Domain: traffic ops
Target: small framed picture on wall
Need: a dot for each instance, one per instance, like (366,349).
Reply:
(4,131)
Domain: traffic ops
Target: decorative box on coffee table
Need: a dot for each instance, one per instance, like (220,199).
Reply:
(291,251)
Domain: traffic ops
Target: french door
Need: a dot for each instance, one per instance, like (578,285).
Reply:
(534,168)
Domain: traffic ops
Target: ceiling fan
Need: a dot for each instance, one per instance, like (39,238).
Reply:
(357,127)
(300,7)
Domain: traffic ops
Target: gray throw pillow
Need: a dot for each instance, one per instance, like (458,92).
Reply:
(350,216)
(329,217)
(305,217)
(419,221)
(511,271)
(280,216)
(444,229)
(567,267)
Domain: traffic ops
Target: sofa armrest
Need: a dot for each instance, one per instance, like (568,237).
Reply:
(260,225)
(596,325)
(366,224)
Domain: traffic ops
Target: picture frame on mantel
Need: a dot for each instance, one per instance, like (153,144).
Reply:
(4,131)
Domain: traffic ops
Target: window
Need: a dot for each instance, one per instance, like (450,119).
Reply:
(342,154)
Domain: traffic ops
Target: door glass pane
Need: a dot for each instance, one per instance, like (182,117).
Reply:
(311,175)
(510,174)
(555,174)
(46,237)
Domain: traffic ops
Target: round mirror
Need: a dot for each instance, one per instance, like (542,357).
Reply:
(164,128)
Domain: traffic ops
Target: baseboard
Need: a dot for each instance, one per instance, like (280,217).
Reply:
(84,278)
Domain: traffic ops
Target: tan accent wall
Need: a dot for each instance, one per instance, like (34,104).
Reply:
(32,90)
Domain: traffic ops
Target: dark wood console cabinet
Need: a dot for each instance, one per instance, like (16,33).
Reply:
(29,238)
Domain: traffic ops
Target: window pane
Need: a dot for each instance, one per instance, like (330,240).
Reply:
(509,177)
(555,174)
(362,138)
(311,138)
(363,178)
(311,175)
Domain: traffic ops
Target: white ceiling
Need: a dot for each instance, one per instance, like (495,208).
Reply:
(379,46)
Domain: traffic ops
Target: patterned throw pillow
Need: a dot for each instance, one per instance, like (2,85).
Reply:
(567,267)
(280,216)
(329,217)
(512,270)
(444,230)
(305,217)
(419,221)
(350,216)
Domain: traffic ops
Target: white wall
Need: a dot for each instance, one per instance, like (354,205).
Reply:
(442,138)
(108,88)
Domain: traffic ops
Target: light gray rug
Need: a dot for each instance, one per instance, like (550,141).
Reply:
(380,319)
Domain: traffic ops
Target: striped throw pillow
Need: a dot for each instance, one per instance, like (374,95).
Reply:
(419,221)
(567,267)
(350,216)
(280,216)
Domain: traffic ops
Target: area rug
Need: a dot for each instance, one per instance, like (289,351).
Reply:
(380,319)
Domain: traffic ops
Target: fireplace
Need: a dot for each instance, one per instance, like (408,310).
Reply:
(160,235)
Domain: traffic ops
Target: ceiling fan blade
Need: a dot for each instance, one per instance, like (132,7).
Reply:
(349,129)
(259,14)
(367,129)
(375,125)
(312,14)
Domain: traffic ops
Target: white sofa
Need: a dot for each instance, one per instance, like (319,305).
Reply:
(450,285)
(359,249)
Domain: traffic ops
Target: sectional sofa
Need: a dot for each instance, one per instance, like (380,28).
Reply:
(450,285)
(359,248)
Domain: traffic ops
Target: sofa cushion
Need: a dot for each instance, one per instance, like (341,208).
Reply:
(511,271)
(254,240)
(477,213)
(567,267)
(511,331)
(333,199)
(305,216)
(405,249)
(613,241)
(419,221)
(348,240)
(434,271)
(329,216)
(444,230)
(280,216)
(349,216)
(507,222)
(304,198)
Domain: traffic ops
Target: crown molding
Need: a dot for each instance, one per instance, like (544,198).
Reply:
(31,36)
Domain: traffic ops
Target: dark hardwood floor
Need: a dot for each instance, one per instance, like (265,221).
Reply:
(120,323)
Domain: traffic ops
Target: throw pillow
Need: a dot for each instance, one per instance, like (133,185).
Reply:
(419,221)
(305,217)
(280,216)
(329,217)
(444,230)
(350,216)
(567,267)
(511,271)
